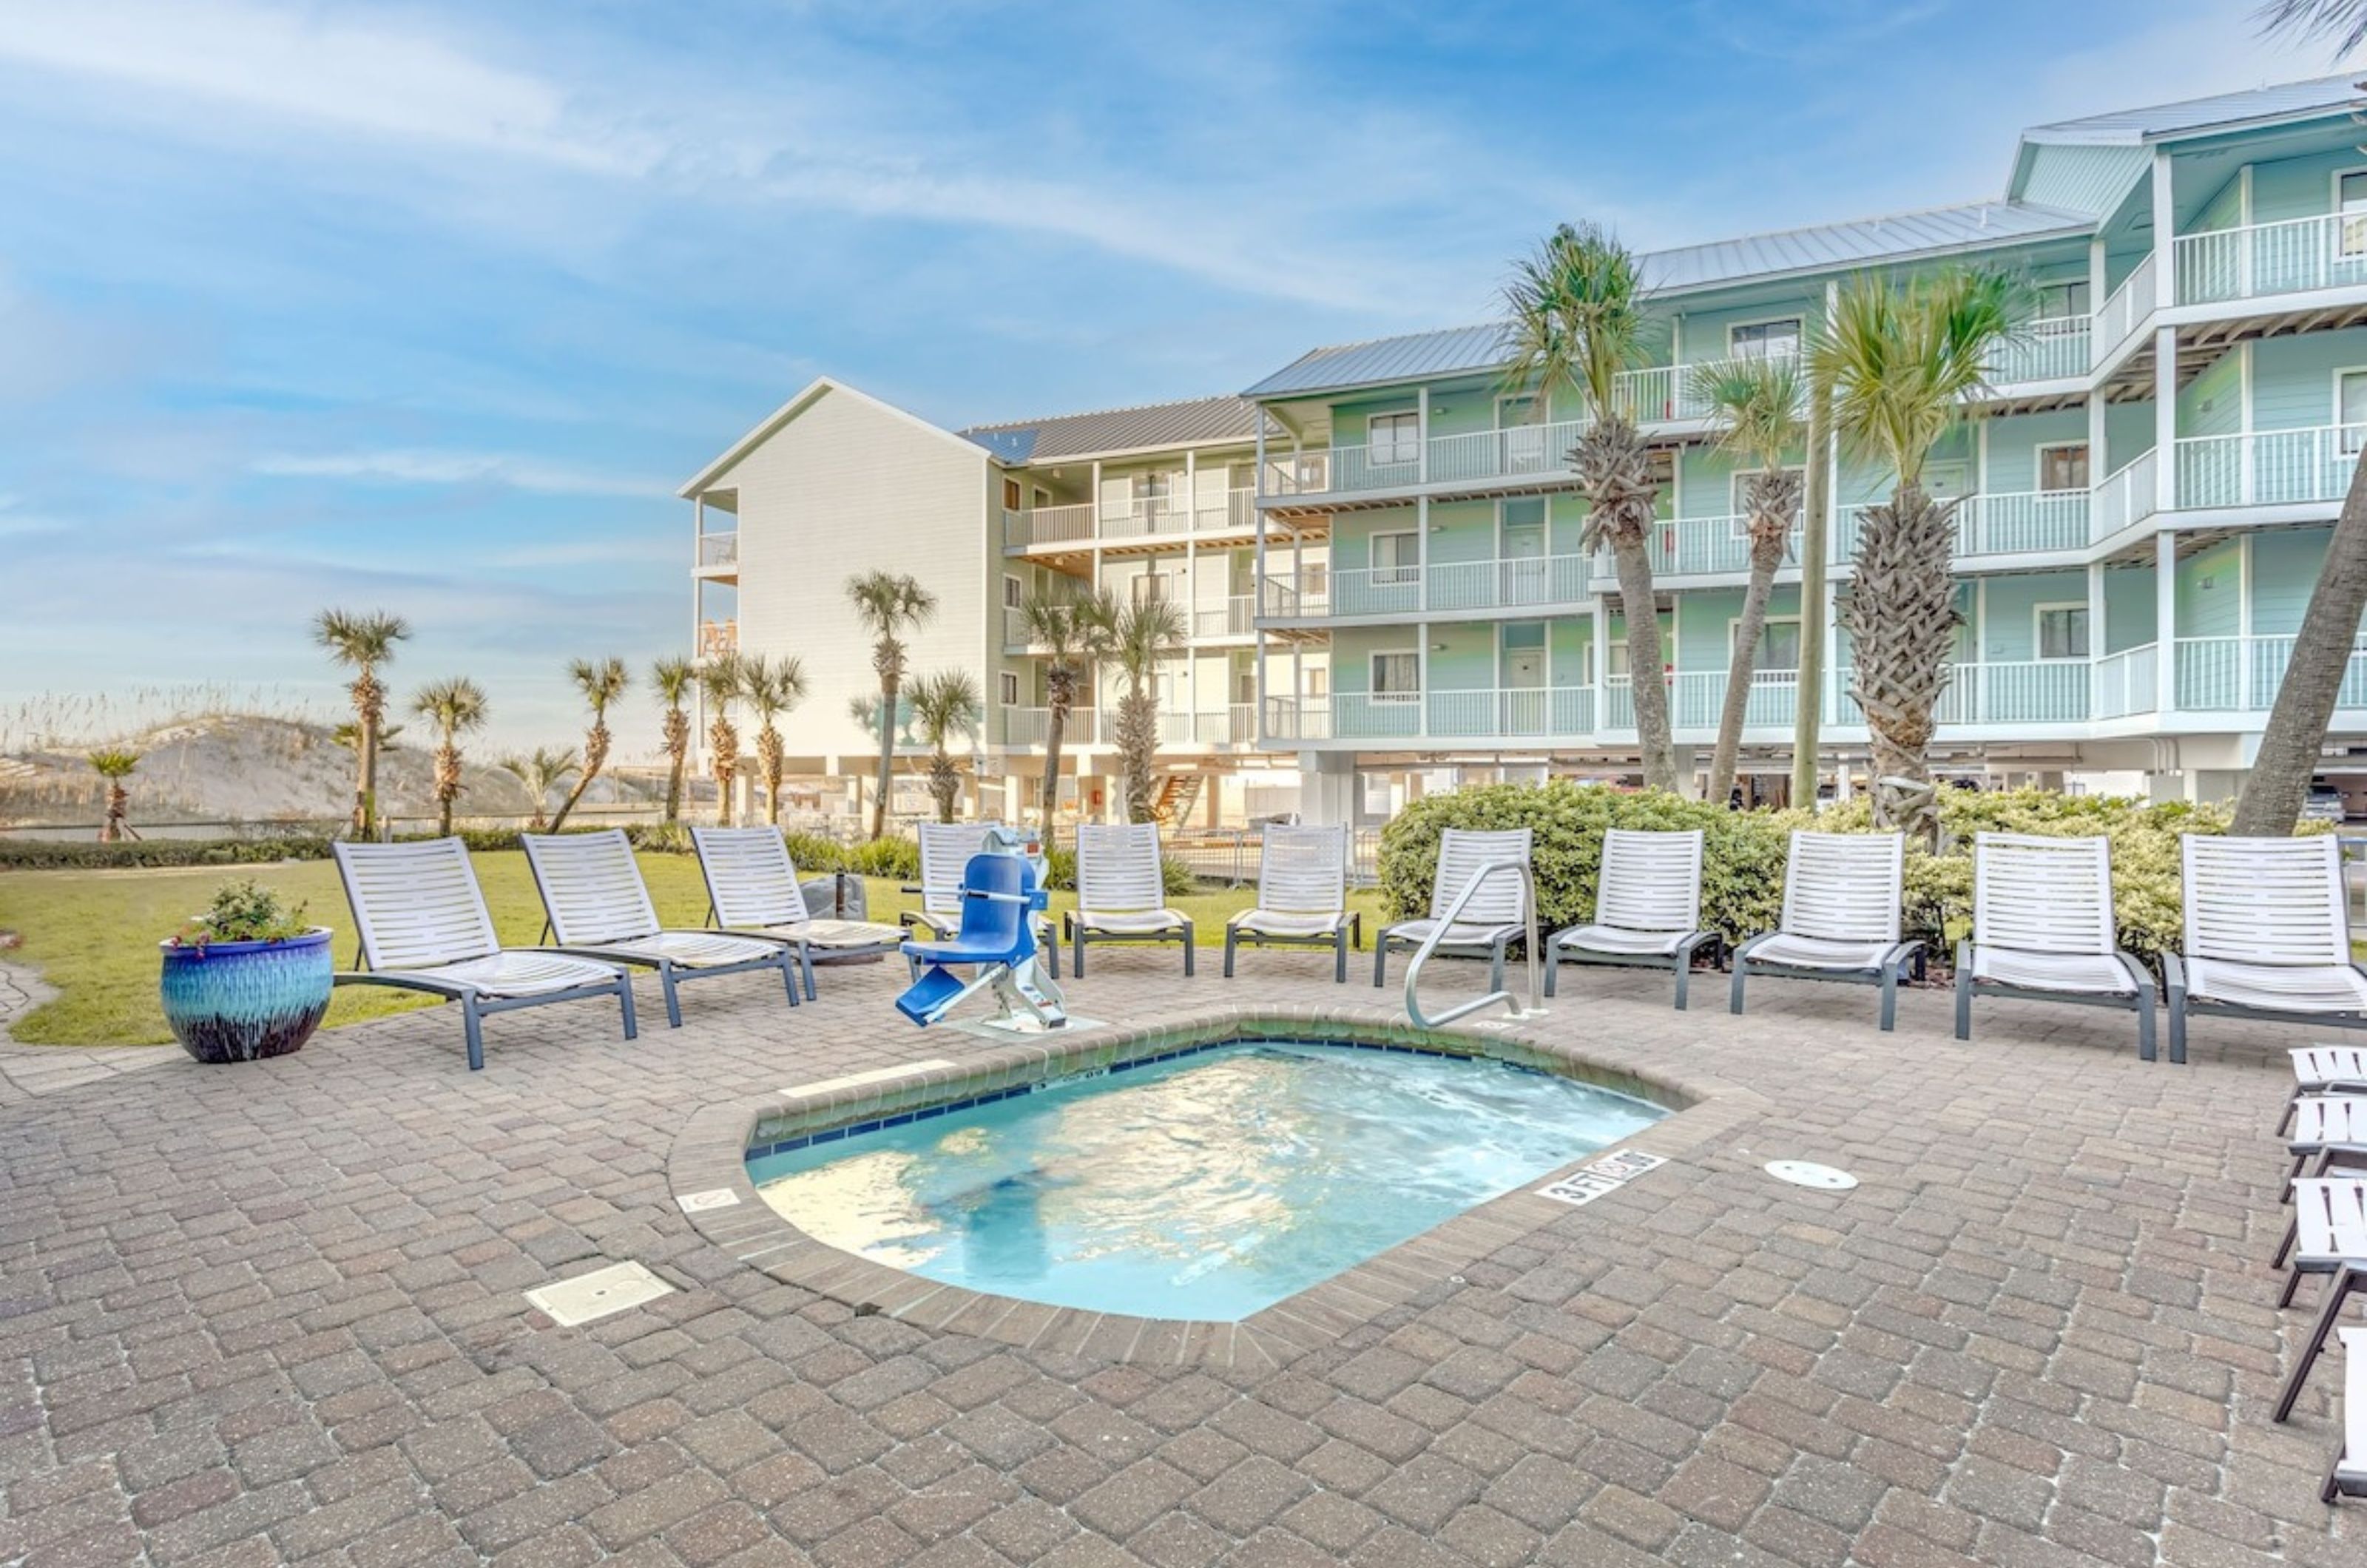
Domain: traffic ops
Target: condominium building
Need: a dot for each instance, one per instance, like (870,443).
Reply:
(1382,547)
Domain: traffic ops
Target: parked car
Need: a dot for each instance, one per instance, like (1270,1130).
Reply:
(2324,805)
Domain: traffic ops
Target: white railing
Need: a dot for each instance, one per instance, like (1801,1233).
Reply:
(2292,257)
(2241,674)
(1235,618)
(1664,394)
(1048,525)
(2052,350)
(1700,547)
(2030,691)
(1502,584)
(1015,627)
(1298,719)
(2127,497)
(2124,311)
(719,549)
(2269,468)
(2020,521)
(1510,711)
(1031,727)
(1698,699)
(1159,515)
(2123,684)
(1501,454)
(1507,584)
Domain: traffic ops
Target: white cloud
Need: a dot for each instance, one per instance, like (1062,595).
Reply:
(406,465)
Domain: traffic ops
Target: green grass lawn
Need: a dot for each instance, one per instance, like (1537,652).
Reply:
(93,935)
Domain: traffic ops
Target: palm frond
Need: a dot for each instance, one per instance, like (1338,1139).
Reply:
(602,682)
(2345,22)
(114,761)
(1574,312)
(1902,357)
(1755,407)
(359,639)
(944,704)
(457,707)
(673,679)
(771,686)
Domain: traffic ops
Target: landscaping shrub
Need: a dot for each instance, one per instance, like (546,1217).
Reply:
(88,854)
(1742,869)
(1177,879)
(897,858)
(815,855)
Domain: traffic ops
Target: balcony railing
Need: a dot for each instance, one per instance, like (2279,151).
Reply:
(2269,468)
(2124,311)
(718,637)
(2030,691)
(1697,699)
(2241,674)
(1513,583)
(1236,617)
(2052,350)
(2126,497)
(2123,684)
(1234,725)
(1665,394)
(1144,517)
(719,549)
(1697,547)
(1501,454)
(2260,259)
(2021,522)
(1031,727)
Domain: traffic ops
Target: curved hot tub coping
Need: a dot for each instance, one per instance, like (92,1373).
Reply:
(709,1155)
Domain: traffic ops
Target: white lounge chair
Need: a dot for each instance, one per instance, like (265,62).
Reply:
(2324,1069)
(1302,898)
(599,906)
(2266,936)
(945,848)
(2349,1477)
(1842,894)
(753,890)
(1647,907)
(2043,928)
(2330,1217)
(1122,891)
(423,927)
(1495,916)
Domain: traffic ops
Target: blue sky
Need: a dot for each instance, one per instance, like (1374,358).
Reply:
(430,307)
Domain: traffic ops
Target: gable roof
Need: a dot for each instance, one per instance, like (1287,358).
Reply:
(1144,427)
(812,393)
(2198,117)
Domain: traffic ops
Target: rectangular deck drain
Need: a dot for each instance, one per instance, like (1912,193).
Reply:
(715,1198)
(597,1294)
(857,1080)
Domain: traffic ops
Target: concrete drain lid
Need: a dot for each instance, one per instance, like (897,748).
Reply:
(1803,1173)
(597,1294)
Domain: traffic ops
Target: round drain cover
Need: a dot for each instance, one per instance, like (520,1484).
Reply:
(1802,1173)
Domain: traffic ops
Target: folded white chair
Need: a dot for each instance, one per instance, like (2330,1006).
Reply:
(1842,896)
(1302,900)
(2267,935)
(599,906)
(2331,1226)
(1647,907)
(1496,915)
(2324,1069)
(423,927)
(1122,891)
(2043,930)
(753,890)
(2349,1477)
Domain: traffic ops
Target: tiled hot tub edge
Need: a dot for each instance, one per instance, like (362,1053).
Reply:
(709,1155)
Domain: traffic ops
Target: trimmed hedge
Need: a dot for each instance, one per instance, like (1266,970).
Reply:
(1742,860)
(88,854)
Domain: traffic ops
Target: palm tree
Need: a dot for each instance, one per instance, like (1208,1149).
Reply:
(1756,406)
(1142,636)
(1072,625)
(771,686)
(115,764)
(456,707)
(674,679)
(888,604)
(541,773)
(946,705)
(1901,358)
(1577,317)
(362,643)
(719,682)
(1807,720)
(2294,739)
(602,682)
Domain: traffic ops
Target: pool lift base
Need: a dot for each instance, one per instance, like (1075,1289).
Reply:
(1519,1011)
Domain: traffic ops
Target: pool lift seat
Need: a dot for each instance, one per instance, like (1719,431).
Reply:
(1445,924)
(1000,898)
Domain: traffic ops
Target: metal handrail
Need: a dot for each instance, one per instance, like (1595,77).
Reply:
(1446,923)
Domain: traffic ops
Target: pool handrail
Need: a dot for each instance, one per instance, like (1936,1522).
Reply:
(1446,924)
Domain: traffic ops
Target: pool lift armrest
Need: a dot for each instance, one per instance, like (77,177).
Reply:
(1446,924)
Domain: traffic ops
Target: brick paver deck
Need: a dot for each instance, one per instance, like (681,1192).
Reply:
(272,1313)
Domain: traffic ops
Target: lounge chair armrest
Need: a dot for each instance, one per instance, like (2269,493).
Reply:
(1692,944)
(2138,972)
(1750,944)
(1964,956)
(1901,952)
(2174,972)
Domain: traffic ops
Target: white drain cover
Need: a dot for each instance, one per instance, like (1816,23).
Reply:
(597,1294)
(698,1203)
(1802,1173)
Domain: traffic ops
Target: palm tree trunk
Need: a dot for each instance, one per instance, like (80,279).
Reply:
(1060,692)
(2291,745)
(1741,667)
(1809,719)
(678,755)
(1647,683)
(1138,749)
(886,759)
(1902,621)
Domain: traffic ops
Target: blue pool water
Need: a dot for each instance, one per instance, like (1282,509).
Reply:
(1207,1186)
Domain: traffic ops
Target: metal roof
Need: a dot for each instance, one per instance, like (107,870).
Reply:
(1823,247)
(2287,100)
(1138,428)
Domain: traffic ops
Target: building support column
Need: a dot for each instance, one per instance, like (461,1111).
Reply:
(2165,622)
(1422,432)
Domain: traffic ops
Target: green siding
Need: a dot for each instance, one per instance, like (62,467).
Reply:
(2129,609)
(1704,331)
(2300,187)
(2212,403)
(2284,571)
(1352,536)
(1569,641)
(2293,378)
(1461,531)
(2223,210)
(1466,662)
(2008,629)
(2085,180)
(2128,435)
(2013,446)
(2207,592)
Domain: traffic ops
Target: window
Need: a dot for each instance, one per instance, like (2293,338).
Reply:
(1013,595)
(2063,631)
(1394,438)
(1394,558)
(1010,685)
(1396,677)
(1043,496)
(1318,681)
(2062,302)
(2064,467)
(2350,200)
(1010,495)
(1764,340)
(2351,396)
(1151,587)
(1779,643)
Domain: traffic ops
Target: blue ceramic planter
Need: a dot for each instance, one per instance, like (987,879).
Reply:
(240,1001)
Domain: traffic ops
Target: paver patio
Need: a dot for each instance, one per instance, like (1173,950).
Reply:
(273,1313)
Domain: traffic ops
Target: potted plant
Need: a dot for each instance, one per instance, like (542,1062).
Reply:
(246,979)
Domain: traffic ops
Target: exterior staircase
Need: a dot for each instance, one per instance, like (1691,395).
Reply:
(1177,796)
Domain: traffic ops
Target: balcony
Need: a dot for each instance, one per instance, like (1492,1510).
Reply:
(2263,260)
(1539,713)
(717,639)
(2126,497)
(1152,518)
(1033,726)
(2272,467)
(2241,674)
(1237,617)
(1454,587)
(2019,692)
(1705,547)
(2125,310)
(718,554)
(2052,350)
(2123,684)
(1233,725)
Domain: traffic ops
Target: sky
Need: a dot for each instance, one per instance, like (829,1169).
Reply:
(431,308)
